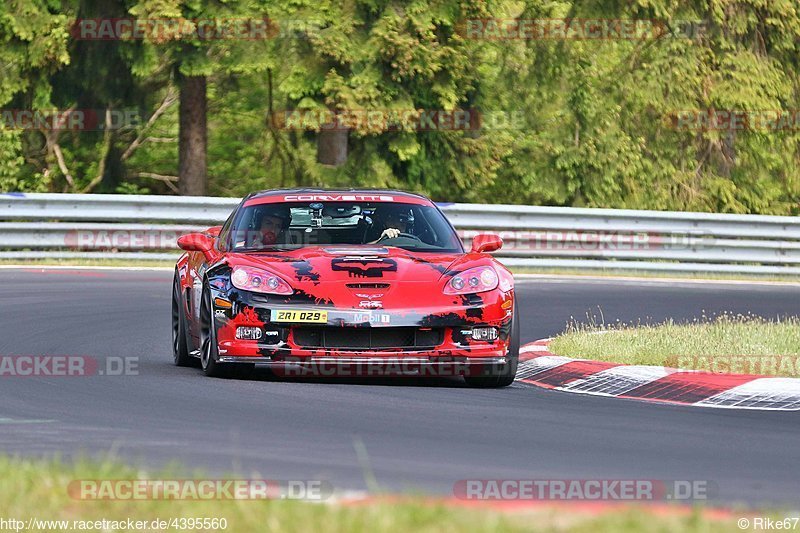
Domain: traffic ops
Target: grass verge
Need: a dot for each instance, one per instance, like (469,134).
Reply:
(35,489)
(727,344)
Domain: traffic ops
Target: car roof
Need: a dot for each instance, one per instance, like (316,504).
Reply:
(334,195)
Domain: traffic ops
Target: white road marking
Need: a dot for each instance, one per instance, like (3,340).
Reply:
(775,394)
(767,393)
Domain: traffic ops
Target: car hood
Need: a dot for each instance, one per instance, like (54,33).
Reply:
(336,264)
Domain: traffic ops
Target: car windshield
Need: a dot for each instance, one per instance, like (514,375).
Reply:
(293,225)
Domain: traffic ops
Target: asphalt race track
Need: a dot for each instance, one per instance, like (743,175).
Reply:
(414,435)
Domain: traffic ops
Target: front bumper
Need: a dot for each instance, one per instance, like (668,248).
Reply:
(279,342)
(283,342)
(365,366)
(435,360)
(455,345)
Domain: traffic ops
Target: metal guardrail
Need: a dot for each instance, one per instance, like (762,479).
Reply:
(146,228)
(115,208)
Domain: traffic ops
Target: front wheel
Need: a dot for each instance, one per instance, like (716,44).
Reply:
(180,346)
(209,350)
(503,376)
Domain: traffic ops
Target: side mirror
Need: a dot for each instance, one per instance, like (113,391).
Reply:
(197,242)
(214,231)
(486,242)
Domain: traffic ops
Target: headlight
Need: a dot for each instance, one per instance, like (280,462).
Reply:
(257,280)
(479,279)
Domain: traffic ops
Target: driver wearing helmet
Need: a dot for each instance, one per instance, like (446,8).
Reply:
(395,221)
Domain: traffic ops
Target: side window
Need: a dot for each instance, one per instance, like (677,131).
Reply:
(243,228)
(423,228)
(222,242)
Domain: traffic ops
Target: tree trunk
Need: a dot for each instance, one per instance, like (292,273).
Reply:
(192,137)
(332,147)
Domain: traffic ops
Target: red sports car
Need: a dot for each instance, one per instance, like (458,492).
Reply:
(342,283)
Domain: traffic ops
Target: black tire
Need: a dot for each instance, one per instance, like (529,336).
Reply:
(209,350)
(180,345)
(503,376)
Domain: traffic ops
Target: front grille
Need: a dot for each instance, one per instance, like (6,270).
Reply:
(367,285)
(367,338)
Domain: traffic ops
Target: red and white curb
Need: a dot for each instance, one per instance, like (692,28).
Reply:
(655,383)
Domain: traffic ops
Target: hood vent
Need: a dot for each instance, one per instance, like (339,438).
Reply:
(367,285)
(358,251)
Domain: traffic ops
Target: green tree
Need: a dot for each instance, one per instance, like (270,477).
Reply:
(564,121)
